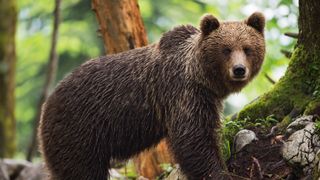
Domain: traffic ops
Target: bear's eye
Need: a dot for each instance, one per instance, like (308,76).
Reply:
(247,51)
(226,51)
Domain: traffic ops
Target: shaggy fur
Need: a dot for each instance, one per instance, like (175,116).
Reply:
(116,106)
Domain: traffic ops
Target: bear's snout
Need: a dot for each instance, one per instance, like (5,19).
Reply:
(239,71)
(238,66)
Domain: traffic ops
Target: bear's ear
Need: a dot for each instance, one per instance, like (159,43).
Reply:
(257,21)
(208,24)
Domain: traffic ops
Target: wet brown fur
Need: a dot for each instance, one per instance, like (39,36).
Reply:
(114,107)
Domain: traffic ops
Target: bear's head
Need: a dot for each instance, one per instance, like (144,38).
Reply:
(231,52)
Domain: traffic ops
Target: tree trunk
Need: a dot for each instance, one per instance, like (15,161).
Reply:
(122,29)
(121,25)
(8,16)
(148,162)
(298,91)
(50,76)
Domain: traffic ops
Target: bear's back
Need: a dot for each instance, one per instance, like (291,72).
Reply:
(101,94)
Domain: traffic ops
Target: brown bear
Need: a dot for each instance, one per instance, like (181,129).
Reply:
(113,107)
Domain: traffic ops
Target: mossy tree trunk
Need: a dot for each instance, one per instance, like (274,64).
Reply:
(298,91)
(122,29)
(8,19)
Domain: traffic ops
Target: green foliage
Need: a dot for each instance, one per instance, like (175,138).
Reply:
(129,171)
(266,122)
(231,127)
(167,167)
(226,149)
(317,126)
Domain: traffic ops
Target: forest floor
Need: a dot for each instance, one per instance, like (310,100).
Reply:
(261,159)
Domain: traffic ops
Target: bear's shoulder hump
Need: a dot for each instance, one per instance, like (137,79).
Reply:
(177,36)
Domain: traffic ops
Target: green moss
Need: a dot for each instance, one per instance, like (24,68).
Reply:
(277,102)
(317,127)
(313,107)
(284,123)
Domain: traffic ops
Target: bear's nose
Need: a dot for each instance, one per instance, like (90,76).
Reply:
(239,70)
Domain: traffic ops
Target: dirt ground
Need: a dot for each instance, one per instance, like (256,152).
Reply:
(261,160)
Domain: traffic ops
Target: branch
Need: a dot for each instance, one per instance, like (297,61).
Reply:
(272,132)
(256,168)
(51,73)
(292,35)
(270,79)
(286,53)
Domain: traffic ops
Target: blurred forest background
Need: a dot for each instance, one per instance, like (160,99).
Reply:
(79,41)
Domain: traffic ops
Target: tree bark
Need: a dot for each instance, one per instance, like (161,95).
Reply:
(121,25)
(298,91)
(50,76)
(8,16)
(122,29)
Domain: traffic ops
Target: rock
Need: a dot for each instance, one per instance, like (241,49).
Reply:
(301,147)
(298,124)
(115,174)
(21,170)
(242,138)
(3,173)
(33,172)
(142,178)
(13,166)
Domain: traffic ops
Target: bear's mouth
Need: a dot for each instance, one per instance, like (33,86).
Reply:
(237,85)
(239,78)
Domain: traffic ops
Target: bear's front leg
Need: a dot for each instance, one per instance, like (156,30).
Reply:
(192,134)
